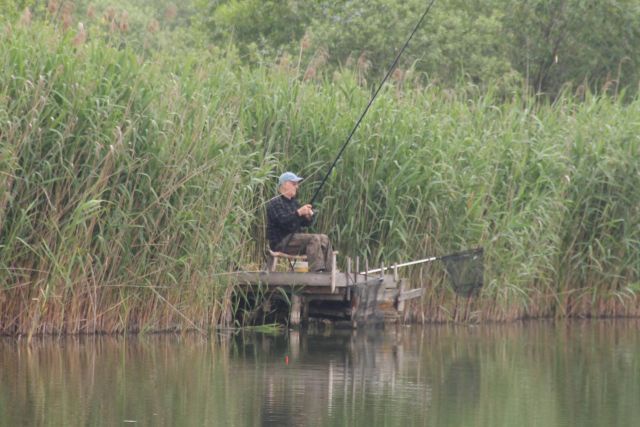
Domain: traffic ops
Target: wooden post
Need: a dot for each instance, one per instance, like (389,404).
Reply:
(380,288)
(395,273)
(294,316)
(272,263)
(400,303)
(266,307)
(305,310)
(294,344)
(334,268)
(355,306)
(348,276)
(355,273)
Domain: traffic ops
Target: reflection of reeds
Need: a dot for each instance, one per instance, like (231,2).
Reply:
(568,369)
(119,177)
(70,384)
(580,372)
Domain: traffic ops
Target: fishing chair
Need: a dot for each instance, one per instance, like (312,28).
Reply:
(274,256)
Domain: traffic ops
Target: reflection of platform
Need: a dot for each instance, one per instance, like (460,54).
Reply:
(338,377)
(338,296)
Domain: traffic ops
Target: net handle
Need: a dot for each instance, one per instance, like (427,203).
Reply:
(425,260)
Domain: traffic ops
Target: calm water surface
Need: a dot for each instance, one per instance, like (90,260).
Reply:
(532,374)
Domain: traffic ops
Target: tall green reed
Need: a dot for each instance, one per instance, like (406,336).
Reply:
(433,172)
(124,191)
(130,187)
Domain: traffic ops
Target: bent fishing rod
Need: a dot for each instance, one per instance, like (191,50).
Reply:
(364,113)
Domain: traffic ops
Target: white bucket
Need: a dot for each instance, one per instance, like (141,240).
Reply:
(301,266)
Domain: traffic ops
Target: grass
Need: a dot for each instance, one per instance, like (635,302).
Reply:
(128,185)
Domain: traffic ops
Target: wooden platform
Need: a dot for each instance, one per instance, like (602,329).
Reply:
(357,298)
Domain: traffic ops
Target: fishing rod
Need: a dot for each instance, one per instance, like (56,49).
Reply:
(364,113)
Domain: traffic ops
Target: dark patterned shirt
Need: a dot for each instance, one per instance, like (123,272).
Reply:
(283,219)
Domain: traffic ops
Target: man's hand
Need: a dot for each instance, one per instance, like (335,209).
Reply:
(306,211)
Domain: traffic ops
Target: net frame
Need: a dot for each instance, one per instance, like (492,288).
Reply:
(466,271)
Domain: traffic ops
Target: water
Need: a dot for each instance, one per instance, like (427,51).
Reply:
(584,373)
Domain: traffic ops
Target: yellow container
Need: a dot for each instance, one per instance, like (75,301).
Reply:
(301,267)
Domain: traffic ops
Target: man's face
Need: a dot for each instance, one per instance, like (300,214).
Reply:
(289,189)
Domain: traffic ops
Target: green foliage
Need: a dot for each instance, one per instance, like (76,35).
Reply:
(456,42)
(152,26)
(544,44)
(541,45)
(573,41)
(266,23)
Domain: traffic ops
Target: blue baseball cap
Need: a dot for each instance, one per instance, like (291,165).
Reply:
(288,176)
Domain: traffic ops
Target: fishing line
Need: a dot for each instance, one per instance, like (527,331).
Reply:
(391,68)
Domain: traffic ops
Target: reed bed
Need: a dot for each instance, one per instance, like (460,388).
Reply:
(129,187)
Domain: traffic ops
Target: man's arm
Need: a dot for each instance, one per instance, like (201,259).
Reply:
(306,215)
(285,216)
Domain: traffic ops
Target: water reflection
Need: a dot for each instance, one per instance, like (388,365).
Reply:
(350,377)
(537,374)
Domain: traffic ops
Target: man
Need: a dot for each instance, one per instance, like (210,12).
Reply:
(285,218)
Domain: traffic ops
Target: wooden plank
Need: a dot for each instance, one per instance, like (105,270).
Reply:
(302,279)
(340,313)
(364,300)
(288,279)
(322,292)
(323,297)
(373,281)
(413,293)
